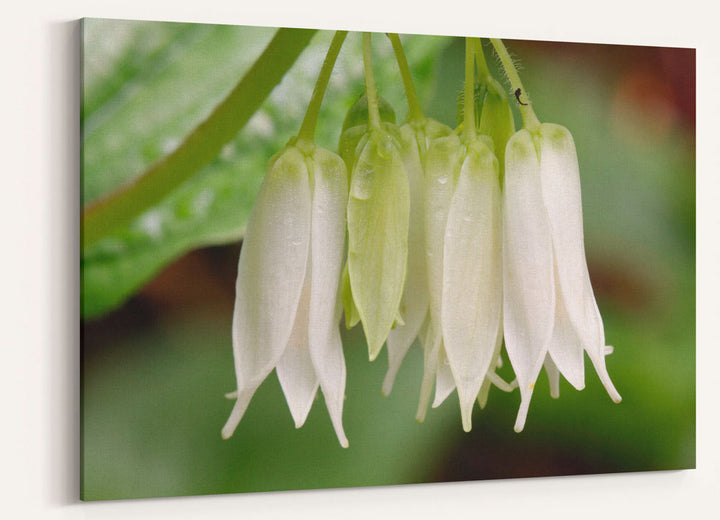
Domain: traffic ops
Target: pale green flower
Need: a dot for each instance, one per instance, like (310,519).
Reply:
(378,214)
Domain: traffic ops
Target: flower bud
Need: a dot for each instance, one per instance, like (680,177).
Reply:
(496,120)
(378,219)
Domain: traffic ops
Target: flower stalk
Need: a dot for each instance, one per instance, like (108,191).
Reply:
(370,87)
(307,129)
(530,120)
(415,112)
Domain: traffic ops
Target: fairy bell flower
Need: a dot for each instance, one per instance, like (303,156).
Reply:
(287,309)
(415,138)
(550,315)
(378,218)
(463,234)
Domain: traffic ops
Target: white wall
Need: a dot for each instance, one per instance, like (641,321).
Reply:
(38,260)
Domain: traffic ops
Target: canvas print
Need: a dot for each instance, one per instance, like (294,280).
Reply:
(321,259)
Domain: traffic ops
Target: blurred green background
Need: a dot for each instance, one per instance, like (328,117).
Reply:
(157,295)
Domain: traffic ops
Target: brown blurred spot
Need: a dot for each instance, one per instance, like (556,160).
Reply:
(626,287)
(203,278)
(643,106)
(200,281)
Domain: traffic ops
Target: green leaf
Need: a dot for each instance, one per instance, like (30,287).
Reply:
(202,144)
(146,87)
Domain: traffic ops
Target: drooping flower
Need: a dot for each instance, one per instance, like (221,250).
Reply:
(463,232)
(550,313)
(287,308)
(378,213)
(415,138)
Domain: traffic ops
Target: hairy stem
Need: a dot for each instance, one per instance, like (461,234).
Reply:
(530,120)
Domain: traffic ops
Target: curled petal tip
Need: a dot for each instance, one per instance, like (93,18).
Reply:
(522,415)
(342,439)
(236,414)
(521,418)
(466,408)
(227,432)
(388,382)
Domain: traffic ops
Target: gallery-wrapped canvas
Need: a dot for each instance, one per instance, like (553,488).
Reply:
(321,259)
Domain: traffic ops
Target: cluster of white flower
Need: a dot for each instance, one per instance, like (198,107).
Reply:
(464,240)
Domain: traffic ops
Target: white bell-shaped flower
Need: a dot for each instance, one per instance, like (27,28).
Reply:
(549,310)
(463,234)
(287,308)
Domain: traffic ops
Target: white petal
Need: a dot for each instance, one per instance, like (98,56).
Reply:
(414,303)
(492,377)
(295,368)
(444,380)
(528,286)
(432,348)
(472,280)
(553,377)
(561,192)
(242,400)
(484,392)
(441,169)
(327,252)
(442,166)
(598,361)
(270,278)
(565,347)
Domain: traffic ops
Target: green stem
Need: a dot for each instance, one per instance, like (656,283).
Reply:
(307,130)
(482,66)
(370,88)
(530,120)
(415,112)
(469,93)
(202,145)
